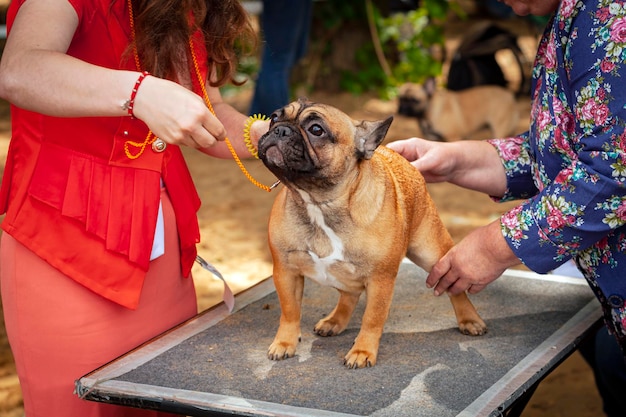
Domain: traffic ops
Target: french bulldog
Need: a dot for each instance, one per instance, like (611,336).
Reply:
(445,115)
(349,212)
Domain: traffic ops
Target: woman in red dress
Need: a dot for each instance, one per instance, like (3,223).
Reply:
(100,226)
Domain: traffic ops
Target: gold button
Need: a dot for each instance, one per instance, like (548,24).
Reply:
(159,145)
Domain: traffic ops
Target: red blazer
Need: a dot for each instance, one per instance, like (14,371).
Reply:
(71,194)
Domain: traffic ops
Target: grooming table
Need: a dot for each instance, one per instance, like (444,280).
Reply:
(215,364)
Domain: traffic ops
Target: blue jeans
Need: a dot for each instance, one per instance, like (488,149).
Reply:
(285,25)
(605,357)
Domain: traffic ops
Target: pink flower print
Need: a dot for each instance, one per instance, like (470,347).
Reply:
(557,105)
(618,30)
(564,176)
(510,218)
(603,14)
(567,122)
(601,114)
(542,235)
(607,66)
(563,117)
(567,7)
(543,120)
(510,151)
(550,55)
(561,143)
(556,218)
(587,109)
(621,211)
(598,112)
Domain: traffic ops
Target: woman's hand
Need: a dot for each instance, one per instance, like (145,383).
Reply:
(433,159)
(472,164)
(477,260)
(177,115)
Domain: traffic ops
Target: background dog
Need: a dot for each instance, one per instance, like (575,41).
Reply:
(446,115)
(349,212)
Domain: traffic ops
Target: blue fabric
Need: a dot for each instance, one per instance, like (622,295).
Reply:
(571,164)
(285,25)
(604,356)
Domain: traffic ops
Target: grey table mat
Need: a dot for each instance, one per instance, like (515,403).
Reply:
(426,367)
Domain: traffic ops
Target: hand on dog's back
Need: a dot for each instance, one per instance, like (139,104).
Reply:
(427,156)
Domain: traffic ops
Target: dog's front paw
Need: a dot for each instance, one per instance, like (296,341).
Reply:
(359,358)
(281,350)
(474,327)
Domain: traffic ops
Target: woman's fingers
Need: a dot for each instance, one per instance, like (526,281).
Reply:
(176,115)
(478,259)
(206,133)
(439,278)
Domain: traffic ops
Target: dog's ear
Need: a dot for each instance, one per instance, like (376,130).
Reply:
(430,85)
(369,135)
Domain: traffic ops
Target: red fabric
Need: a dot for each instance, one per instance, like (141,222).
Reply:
(55,341)
(70,192)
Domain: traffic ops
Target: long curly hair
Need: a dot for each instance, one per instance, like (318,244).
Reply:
(163,28)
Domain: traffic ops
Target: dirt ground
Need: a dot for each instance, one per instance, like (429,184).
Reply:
(233,222)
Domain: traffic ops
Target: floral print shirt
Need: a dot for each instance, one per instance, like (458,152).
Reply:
(571,164)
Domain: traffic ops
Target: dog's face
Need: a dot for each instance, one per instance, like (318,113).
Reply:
(413,99)
(312,145)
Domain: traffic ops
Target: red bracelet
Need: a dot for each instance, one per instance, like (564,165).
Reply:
(130,103)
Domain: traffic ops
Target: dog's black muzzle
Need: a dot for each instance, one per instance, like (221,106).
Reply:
(408,106)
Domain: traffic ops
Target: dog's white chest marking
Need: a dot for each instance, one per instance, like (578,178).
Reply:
(322,265)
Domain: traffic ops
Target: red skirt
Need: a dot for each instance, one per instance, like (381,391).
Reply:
(59,330)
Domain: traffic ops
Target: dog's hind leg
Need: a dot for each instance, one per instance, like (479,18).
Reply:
(467,317)
(426,247)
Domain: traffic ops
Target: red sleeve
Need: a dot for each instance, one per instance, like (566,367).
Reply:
(15,5)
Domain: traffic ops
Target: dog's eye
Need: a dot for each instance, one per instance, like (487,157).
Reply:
(273,118)
(316,130)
